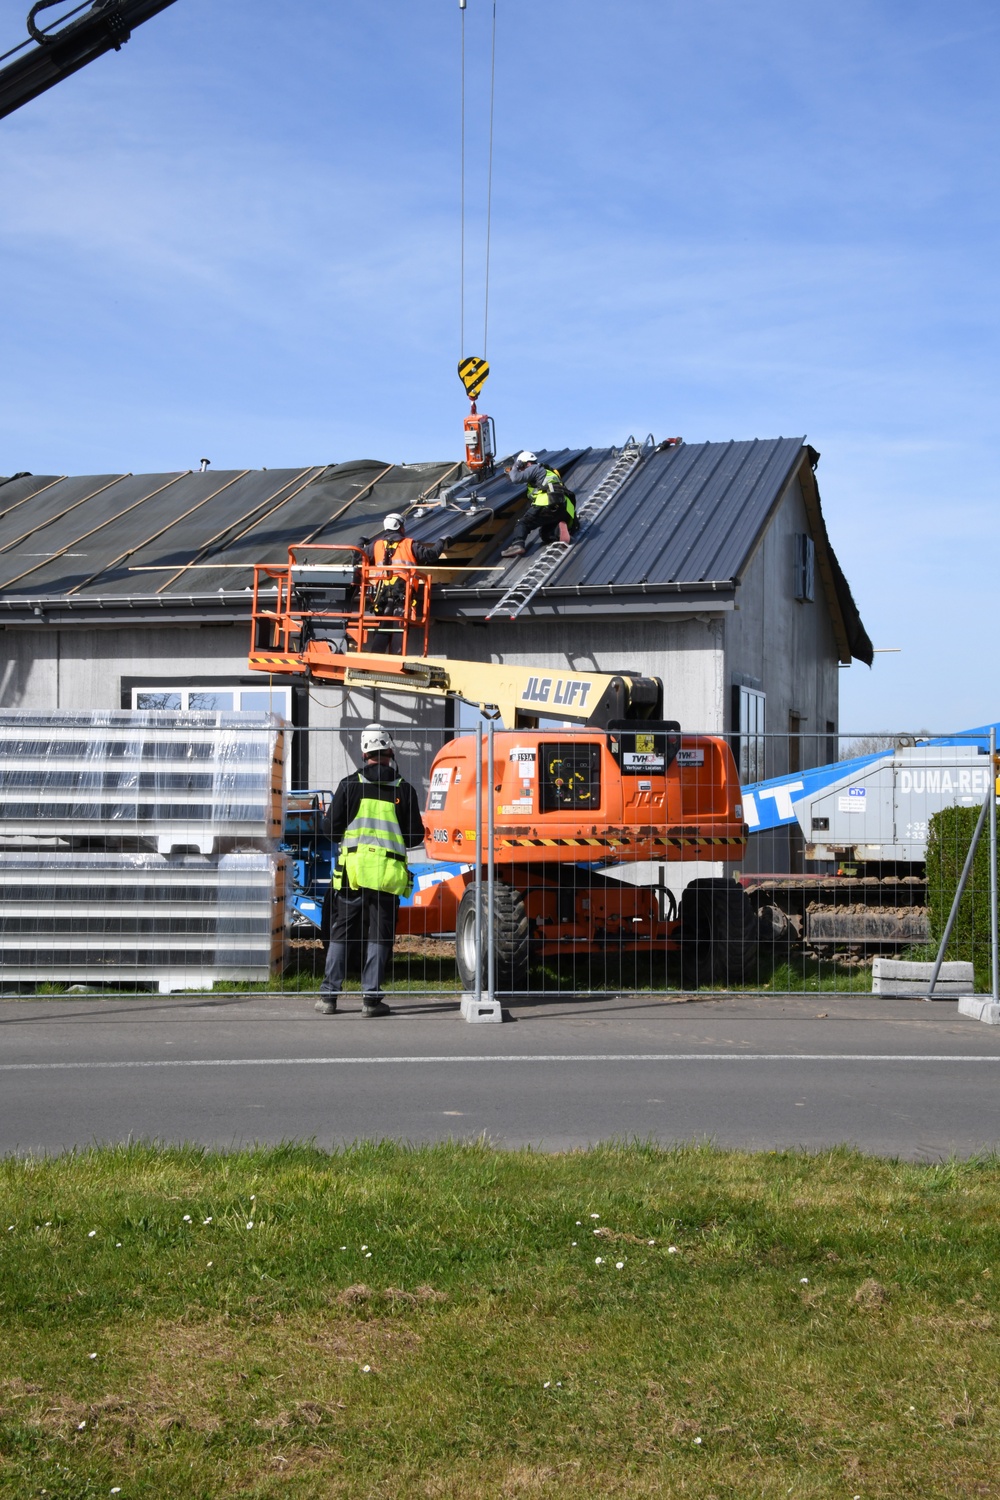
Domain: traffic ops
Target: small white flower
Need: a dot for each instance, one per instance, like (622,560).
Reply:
(558,1382)
(253,1197)
(250,1225)
(80,1426)
(187,1218)
(364,1247)
(599,1260)
(91,1356)
(595,1231)
(343,1247)
(574,1244)
(803,1281)
(368,1256)
(116,1489)
(650,1242)
(619,1265)
(595,1216)
(118,1244)
(210,1265)
(579,1221)
(546,1385)
(366,1369)
(90,1236)
(697,1440)
(671,1249)
(48,1224)
(208,1220)
(9,1228)
(913,1408)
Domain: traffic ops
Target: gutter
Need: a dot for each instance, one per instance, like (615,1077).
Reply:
(117,609)
(604,590)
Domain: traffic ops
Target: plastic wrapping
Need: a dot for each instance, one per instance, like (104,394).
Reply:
(165,780)
(179,921)
(99,813)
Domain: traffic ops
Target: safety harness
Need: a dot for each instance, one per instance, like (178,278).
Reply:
(552,491)
(392,560)
(372,852)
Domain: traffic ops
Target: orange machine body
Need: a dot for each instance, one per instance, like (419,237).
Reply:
(566,801)
(579,796)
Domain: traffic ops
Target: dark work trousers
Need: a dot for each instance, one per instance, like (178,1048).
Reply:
(543,518)
(372,915)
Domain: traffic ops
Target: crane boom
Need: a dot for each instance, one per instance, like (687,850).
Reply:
(105,27)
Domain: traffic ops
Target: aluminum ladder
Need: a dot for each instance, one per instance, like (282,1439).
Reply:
(524,589)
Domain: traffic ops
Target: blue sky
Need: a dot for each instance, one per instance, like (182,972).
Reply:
(238,238)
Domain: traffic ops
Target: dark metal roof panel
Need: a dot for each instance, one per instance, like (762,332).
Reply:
(687,515)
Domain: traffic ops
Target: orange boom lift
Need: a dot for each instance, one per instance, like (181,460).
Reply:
(624,787)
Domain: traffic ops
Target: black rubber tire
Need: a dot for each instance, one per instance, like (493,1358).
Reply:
(719,934)
(510,937)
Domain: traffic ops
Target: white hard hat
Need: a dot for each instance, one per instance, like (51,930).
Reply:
(526,458)
(373,739)
(393,522)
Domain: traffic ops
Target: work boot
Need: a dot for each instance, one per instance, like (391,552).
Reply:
(374,1005)
(326,1005)
(514,550)
(563,532)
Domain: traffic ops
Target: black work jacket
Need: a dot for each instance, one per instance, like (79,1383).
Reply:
(380,782)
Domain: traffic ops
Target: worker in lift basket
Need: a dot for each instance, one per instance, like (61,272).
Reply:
(392,555)
(375,818)
(551,509)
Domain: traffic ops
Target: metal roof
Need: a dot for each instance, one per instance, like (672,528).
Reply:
(686,522)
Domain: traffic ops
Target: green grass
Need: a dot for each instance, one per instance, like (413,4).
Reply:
(826,1326)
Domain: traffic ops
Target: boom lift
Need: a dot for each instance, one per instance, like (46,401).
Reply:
(629,788)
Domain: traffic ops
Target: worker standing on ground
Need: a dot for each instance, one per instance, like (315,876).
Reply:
(392,556)
(375,818)
(551,508)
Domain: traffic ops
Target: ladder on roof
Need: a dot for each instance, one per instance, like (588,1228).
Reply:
(524,589)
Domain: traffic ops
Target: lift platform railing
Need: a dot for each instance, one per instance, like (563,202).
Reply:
(334,593)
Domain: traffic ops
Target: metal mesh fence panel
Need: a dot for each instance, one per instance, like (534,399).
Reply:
(170,851)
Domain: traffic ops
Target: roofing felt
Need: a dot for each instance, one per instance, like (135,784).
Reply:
(688,518)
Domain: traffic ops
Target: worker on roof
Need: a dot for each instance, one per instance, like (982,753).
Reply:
(375,818)
(392,556)
(551,504)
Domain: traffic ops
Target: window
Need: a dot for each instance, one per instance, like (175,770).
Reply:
(242,700)
(805,568)
(570,776)
(749,729)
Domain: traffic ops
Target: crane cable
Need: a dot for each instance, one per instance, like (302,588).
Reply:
(489,178)
(489,187)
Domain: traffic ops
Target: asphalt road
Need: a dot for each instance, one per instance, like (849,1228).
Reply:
(894,1077)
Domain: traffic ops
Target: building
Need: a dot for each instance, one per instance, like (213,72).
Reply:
(711,569)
